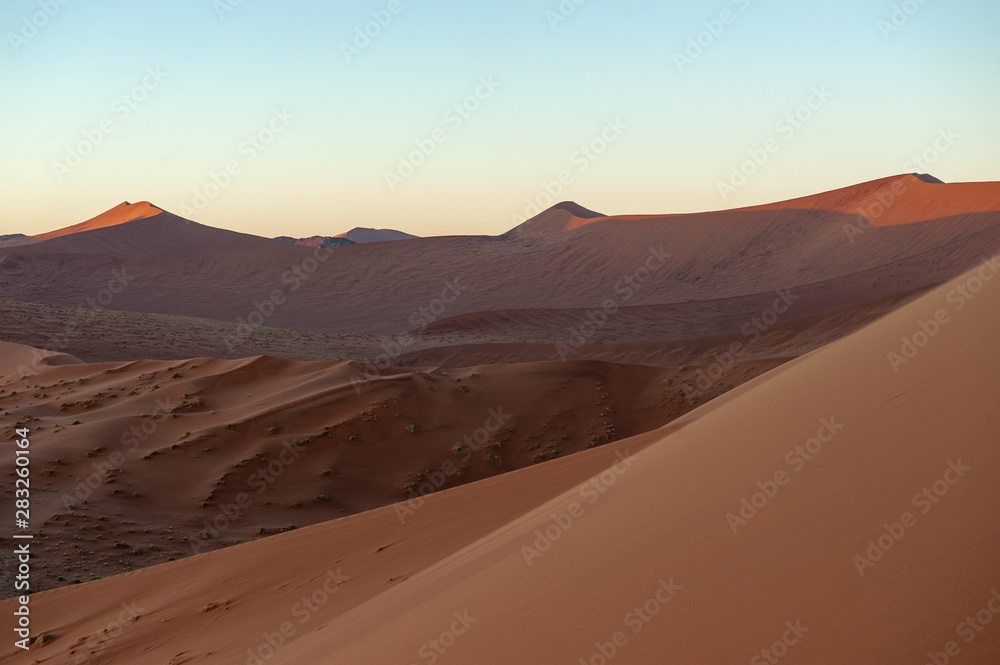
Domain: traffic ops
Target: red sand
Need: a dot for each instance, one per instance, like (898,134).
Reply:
(189,270)
(120,214)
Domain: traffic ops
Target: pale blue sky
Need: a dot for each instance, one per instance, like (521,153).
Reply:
(680,130)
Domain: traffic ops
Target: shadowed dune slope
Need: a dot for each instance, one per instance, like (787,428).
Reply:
(176,445)
(160,233)
(625,262)
(857,528)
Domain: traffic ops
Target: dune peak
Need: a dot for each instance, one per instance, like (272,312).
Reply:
(575,209)
(122,213)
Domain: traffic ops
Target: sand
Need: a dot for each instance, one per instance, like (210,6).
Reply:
(180,268)
(655,530)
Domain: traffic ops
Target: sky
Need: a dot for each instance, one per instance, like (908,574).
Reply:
(440,117)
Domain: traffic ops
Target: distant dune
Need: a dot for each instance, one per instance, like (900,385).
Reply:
(363,235)
(556,261)
(120,214)
(317,241)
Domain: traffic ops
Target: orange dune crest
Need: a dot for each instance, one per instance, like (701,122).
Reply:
(120,214)
(892,201)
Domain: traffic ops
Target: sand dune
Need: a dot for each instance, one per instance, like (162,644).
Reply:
(121,214)
(866,478)
(161,233)
(250,596)
(903,199)
(363,235)
(621,261)
(153,453)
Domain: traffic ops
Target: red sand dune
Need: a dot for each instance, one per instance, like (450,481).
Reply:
(359,288)
(161,233)
(870,538)
(170,444)
(903,199)
(364,235)
(120,214)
